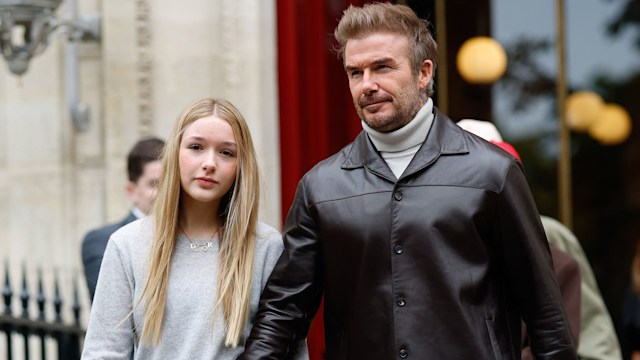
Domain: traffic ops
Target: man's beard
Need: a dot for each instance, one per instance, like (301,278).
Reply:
(402,115)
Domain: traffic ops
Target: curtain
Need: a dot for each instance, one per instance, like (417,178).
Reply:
(317,117)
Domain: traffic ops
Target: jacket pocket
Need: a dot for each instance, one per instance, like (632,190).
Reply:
(492,337)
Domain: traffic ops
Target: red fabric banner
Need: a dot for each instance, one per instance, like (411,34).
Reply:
(317,117)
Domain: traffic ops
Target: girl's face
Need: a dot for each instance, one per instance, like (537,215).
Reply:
(208,160)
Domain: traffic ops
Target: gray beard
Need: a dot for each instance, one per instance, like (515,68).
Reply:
(393,120)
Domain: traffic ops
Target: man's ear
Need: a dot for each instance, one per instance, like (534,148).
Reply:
(129,188)
(426,73)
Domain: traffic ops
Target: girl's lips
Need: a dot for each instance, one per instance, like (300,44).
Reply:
(206,183)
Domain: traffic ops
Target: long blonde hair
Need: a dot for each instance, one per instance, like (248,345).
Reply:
(237,235)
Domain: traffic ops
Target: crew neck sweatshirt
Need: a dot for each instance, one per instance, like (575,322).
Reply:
(398,147)
(188,330)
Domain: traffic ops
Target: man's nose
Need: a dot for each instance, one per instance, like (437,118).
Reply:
(369,82)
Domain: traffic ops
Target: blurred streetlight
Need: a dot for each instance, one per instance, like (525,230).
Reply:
(481,60)
(612,126)
(583,109)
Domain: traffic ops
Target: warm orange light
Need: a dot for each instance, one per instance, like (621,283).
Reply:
(583,109)
(613,125)
(481,60)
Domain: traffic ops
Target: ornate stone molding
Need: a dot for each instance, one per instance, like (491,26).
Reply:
(231,41)
(145,66)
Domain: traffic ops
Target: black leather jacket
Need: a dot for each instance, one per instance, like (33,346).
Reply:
(441,264)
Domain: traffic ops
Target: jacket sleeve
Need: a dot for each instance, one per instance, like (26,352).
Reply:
(528,268)
(292,294)
(93,247)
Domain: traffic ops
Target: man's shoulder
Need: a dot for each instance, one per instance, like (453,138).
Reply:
(101,233)
(96,241)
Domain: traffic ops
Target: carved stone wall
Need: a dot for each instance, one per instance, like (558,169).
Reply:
(145,67)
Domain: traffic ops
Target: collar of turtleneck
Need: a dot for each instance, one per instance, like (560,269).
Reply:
(398,147)
(408,136)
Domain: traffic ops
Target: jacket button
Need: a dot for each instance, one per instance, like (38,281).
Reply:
(403,354)
(401,302)
(397,195)
(398,249)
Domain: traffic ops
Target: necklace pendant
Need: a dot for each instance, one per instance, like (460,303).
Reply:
(193,246)
(204,247)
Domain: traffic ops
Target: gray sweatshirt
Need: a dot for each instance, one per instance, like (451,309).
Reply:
(188,330)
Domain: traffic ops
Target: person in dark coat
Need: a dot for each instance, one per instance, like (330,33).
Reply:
(143,168)
(424,239)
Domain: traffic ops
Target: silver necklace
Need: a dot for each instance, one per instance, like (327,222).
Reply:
(195,246)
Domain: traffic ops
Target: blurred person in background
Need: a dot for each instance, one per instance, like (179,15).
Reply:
(143,169)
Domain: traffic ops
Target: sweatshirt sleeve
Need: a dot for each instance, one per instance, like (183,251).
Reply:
(111,328)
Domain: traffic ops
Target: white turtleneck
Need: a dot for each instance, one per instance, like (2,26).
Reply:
(399,146)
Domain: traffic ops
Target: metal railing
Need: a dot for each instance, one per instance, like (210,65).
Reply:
(29,329)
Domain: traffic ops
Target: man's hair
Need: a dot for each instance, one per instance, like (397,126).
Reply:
(357,22)
(143,152)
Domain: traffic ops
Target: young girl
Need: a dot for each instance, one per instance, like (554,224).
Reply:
(184,283)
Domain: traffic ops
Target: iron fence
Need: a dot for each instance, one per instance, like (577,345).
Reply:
(34,331)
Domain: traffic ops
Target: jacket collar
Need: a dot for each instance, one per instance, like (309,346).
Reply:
(444,138)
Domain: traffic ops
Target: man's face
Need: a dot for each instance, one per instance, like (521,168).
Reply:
(143,192)
(386,93)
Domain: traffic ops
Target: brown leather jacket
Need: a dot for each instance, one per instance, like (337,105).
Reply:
(441,264)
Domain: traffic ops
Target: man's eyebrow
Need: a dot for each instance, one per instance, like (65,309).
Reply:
(384,60)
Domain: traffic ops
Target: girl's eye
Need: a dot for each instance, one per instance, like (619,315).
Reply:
(227,153)
(195,147)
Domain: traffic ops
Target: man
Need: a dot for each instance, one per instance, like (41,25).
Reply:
(424,239)
(143,167)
